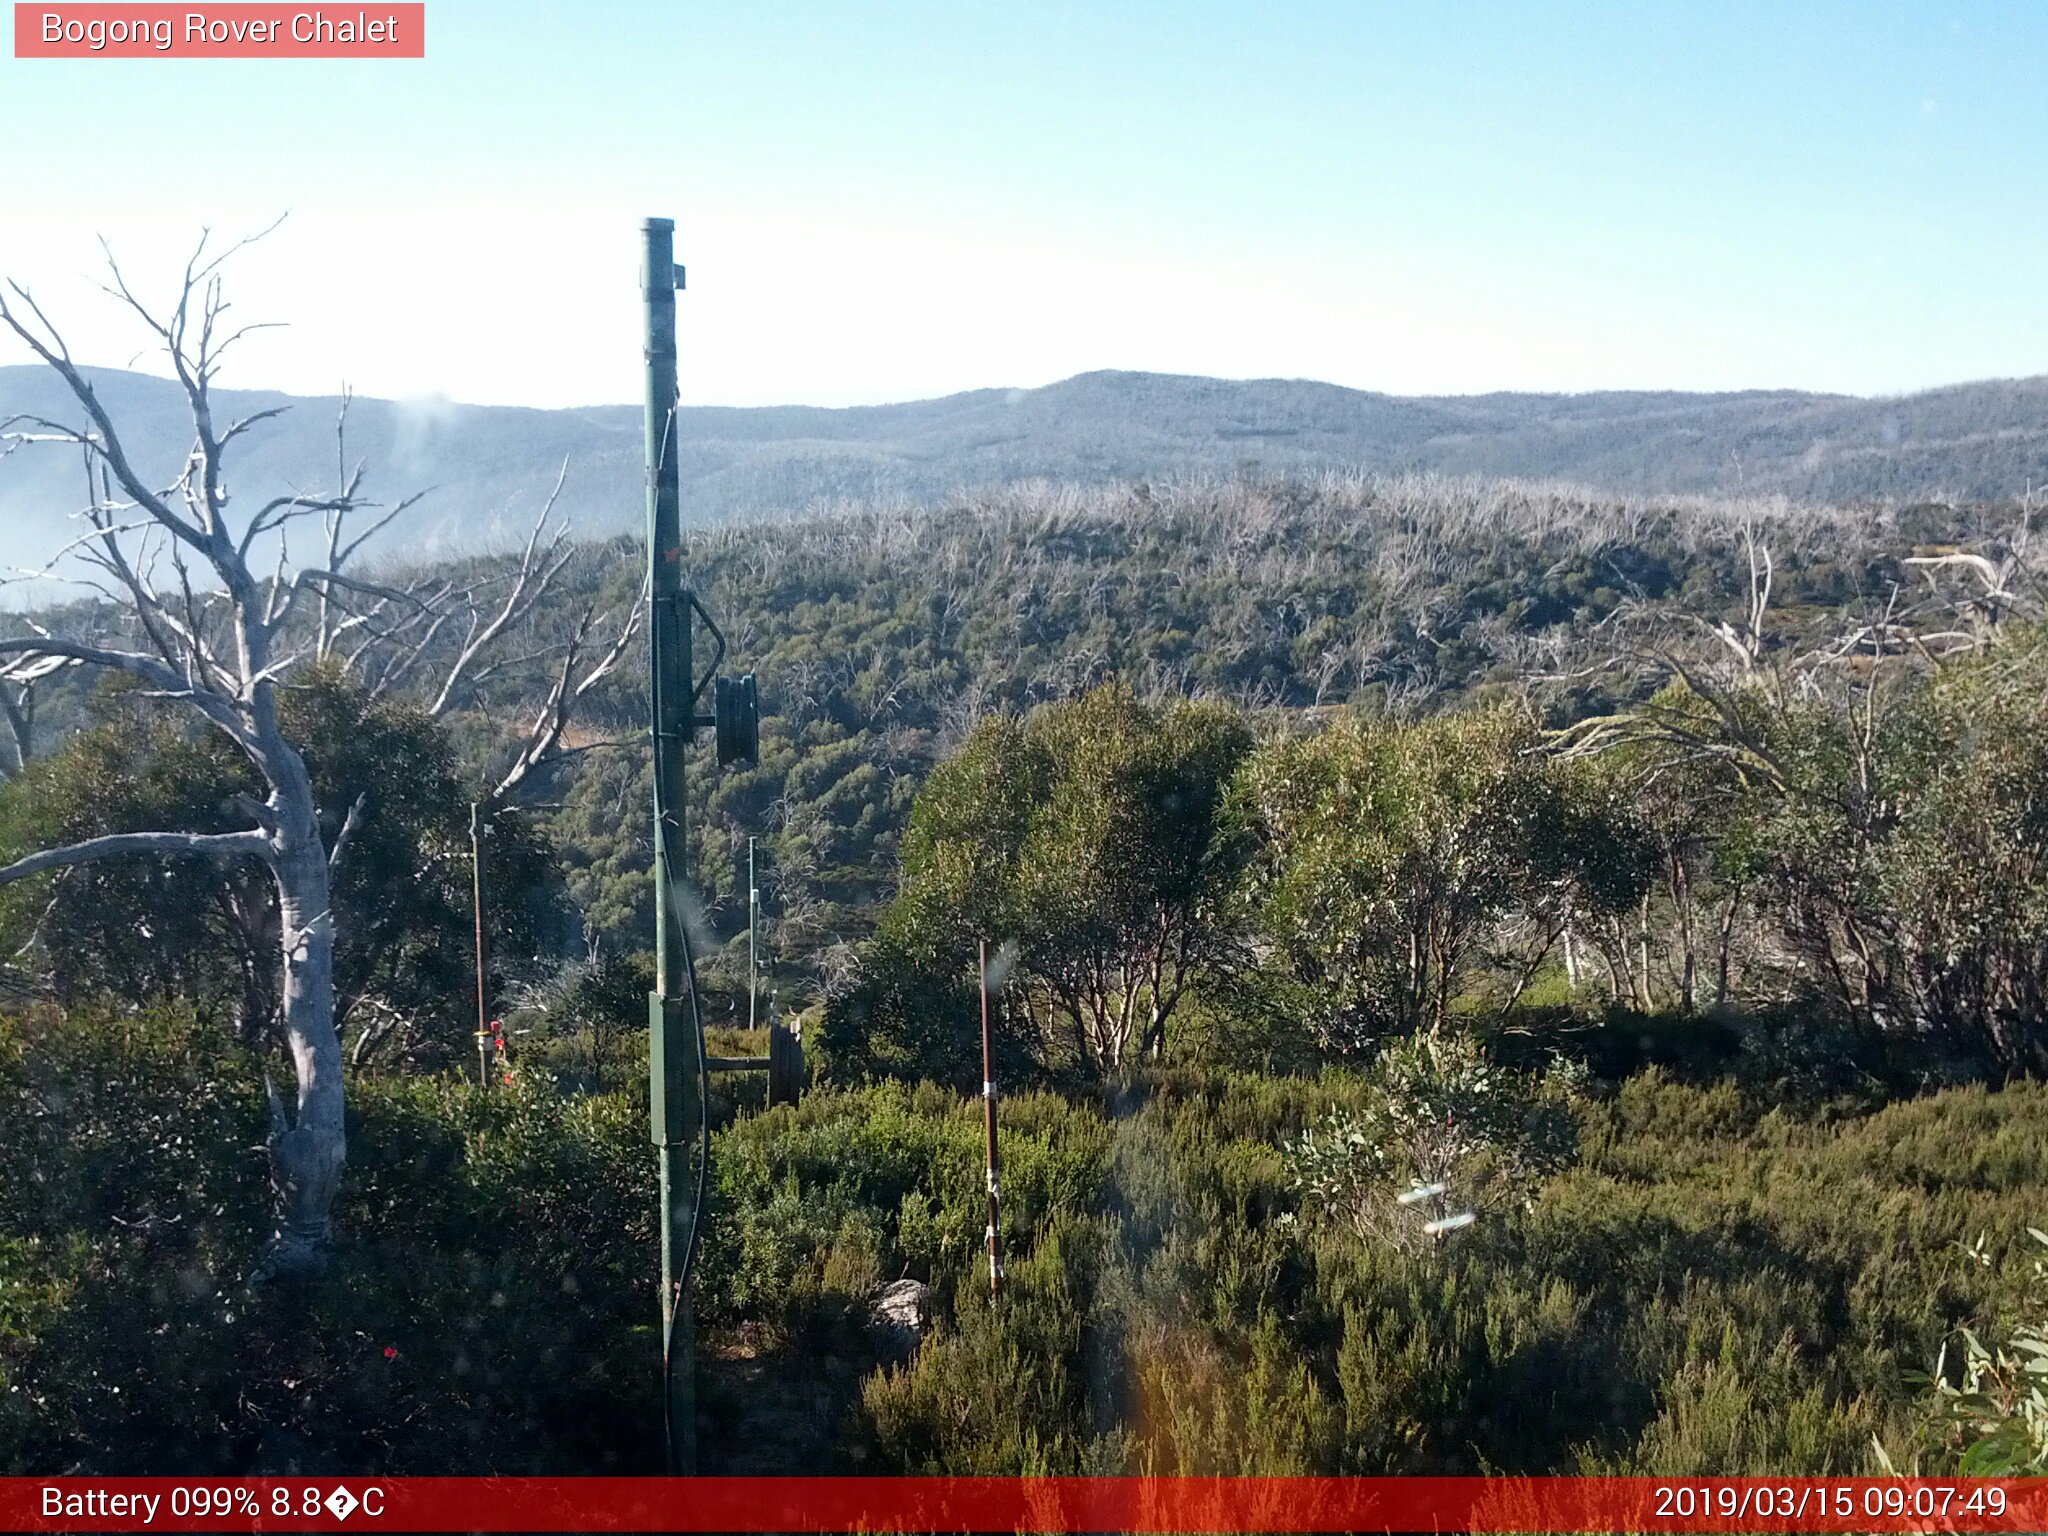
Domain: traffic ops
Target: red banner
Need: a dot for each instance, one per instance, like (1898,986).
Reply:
(238,31)
(1052,1504)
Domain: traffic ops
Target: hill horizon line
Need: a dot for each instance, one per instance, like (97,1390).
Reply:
(431,399)
(490,466)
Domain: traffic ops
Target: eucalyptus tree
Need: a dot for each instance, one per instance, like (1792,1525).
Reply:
(1125,872)
(1085,839)
(1879,792)
(1386,855)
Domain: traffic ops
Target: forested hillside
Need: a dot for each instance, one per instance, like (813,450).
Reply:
(881,638)
(1487,978)
(486,467)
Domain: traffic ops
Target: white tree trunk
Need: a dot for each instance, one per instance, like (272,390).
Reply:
(308,1150)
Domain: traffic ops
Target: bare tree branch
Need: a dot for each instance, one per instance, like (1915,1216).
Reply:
(543,741)
(104,442)
(134,663)
(348,831)
(204,844)
(539,565)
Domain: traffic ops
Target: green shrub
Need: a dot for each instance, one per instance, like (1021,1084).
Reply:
(1720,1283)
(1991,1420)
(488,1309)
(1446,1136)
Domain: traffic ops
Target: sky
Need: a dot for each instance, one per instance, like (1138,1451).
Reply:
(900,199)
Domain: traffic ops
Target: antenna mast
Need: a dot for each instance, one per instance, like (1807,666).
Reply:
(753,914)
(676,1063)
(674,1041)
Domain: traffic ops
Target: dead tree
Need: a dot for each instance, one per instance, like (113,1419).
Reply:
(391,637)
(198,626)
(18,707)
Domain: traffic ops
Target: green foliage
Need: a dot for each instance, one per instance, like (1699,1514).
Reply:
(1388,854)
(880,639)
(405,946)
(605,829)
(903,1017)
(487,1310)
(1717,1284)
(1084,843)
(140,927)
(1898,834)
(1003,1390)
(1714,1287)
(1690,810)
(1445,1137)
(156,928)
(582,1016)
(818,1200)
(1992,1419)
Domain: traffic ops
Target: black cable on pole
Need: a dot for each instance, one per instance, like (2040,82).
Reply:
(681,928)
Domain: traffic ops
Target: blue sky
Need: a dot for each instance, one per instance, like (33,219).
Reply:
(892,200)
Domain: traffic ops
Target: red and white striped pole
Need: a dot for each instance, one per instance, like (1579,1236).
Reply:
(988,1100)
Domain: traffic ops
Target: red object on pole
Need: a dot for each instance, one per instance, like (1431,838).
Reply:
(988,1100)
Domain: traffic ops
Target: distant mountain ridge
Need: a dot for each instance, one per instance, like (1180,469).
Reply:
(490,465)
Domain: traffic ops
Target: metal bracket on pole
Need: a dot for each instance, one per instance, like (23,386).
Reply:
(698,685)
(784,1064)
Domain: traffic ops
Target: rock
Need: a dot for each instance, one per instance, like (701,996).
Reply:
(900,1313)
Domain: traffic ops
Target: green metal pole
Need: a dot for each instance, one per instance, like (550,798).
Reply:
(753,911)
(672,1042)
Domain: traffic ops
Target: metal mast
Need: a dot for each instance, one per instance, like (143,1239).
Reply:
(674,1044)
(753,913)
(676,1063)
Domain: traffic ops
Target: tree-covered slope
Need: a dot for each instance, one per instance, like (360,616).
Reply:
(880,638)
(487,467)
